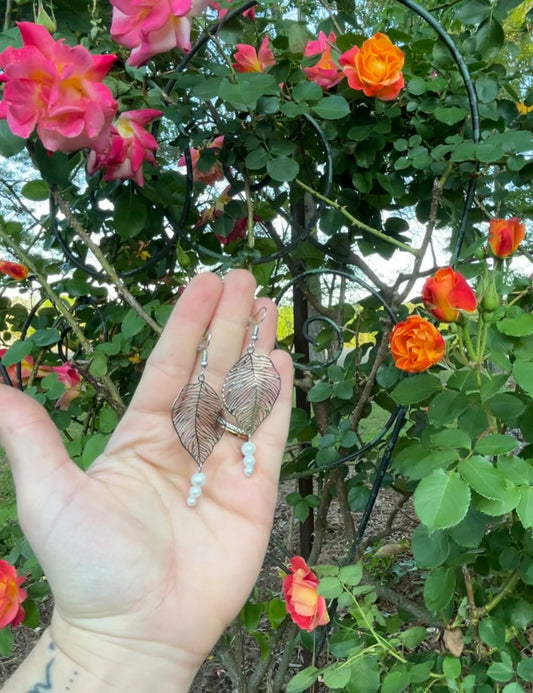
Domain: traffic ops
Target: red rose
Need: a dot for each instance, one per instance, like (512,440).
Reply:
(306,608)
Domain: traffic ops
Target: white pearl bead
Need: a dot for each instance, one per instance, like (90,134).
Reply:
(248,471)
(198,479)
(195,492)
(248,448)
(191,502)
(248,460)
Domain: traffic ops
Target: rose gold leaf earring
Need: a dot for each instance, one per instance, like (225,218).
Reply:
(195,414)
(249,391)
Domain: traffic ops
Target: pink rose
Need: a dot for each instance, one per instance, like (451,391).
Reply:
(11,596)
(248,60)
(150,27)
(325,72)
(130,145)
(221,13)
(58,89)
(215,173)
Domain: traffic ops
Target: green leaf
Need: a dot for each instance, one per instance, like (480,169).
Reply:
(351,574)
(250,616)
(36,190)
(319,392)
(107,420)
(395,682)
(450,115)
(31,614)
(454,438)
(46,337)
(446,407)
(365,676)
(439,589)
(523,374)
(302,680)
(307,91)
(441,500)
(506,406)
(500,671)
(492,632)
(495,444)
(256,159)
(500,506)
(417,86)
(470,531)
(6,641)
(129,215)
(207,88)
(93,447)
(10,144)
(473,11)
(249,87)
(513,688)
(524,507)
(525,669)
(519,326)
(332,108)
(132,324)
(338,676)
(16,352)
(283,168)
(330,587)
(412,637)
(490,38)
(415,389)
(516,470)
(483,477)
(98,367)
(429,551)
(451,667)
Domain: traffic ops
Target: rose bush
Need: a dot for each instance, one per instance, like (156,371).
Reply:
(364,182)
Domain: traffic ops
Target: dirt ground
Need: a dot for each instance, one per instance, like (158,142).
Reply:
(212,676)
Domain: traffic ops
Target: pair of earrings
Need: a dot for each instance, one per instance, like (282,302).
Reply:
(248,394)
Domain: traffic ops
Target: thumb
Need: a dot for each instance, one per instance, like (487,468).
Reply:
(40,464)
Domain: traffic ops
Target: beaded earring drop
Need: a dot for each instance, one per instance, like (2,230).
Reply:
(195,413)
(249,391)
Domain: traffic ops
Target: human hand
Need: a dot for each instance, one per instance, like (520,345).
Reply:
(138,577)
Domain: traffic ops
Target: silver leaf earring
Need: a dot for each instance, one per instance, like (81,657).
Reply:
(249,391)
(195,413)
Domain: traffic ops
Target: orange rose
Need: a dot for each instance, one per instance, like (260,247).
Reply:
(13,269)
(376,68)
(505,235)
(446,293)
(306,608)
(416,345)
(11,596)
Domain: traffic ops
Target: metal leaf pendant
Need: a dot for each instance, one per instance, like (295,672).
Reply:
(250,389)
(194,414)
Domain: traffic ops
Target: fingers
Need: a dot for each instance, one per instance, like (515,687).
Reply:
(208,303)
(173,358)
(38,459)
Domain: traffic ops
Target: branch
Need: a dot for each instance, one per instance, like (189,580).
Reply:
(108,268)
(356,222)
(112,395)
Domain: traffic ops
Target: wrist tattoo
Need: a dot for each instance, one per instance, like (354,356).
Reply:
(46,685)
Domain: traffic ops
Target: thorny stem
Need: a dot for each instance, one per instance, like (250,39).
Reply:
(108,268)
(112,395)
(505,590)
(249,215)
(354,221)
(430,227)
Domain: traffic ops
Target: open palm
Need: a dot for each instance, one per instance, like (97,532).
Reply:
(127,559)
